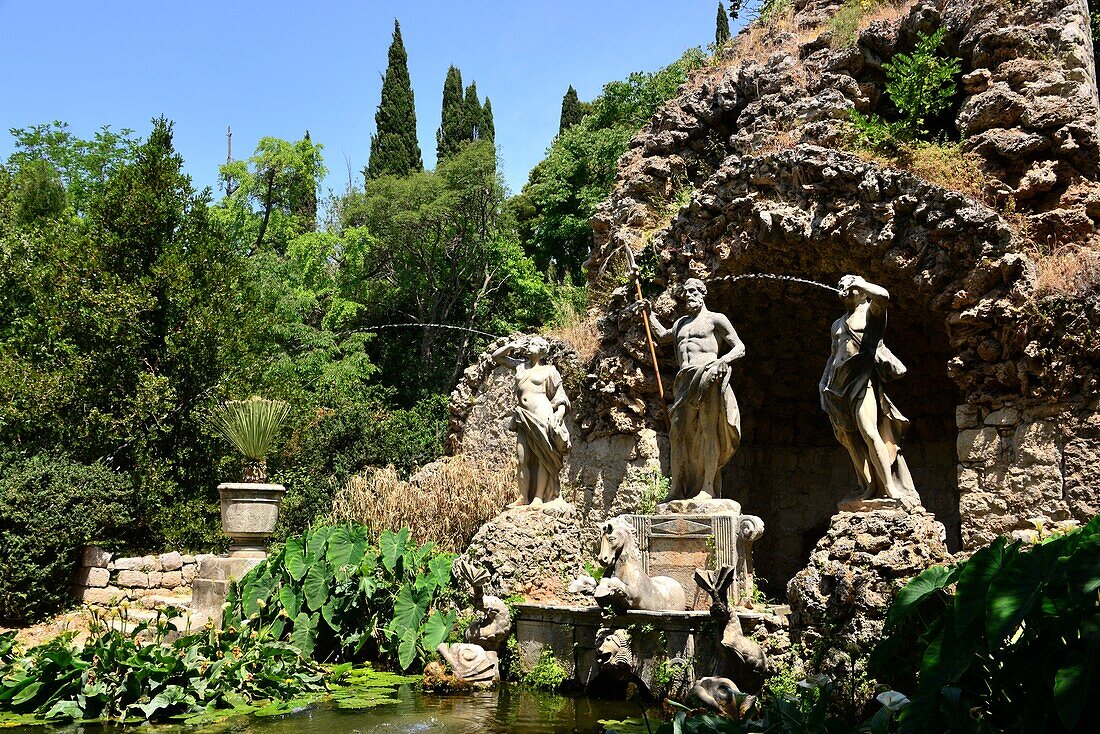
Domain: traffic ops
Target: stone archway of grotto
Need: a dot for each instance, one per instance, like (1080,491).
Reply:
(1001,384)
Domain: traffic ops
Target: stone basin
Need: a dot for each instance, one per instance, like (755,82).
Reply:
(571,633)
(250,511)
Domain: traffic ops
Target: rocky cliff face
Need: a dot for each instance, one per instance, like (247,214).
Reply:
(1001,382)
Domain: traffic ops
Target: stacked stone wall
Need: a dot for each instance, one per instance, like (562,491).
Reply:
(107,581)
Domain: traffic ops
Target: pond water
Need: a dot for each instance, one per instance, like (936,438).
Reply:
(509,710)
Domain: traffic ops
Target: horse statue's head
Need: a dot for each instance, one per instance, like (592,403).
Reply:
(616,537)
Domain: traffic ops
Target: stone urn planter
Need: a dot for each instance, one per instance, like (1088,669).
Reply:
(250,511)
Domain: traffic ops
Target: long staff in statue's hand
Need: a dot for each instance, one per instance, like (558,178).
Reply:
(634,271)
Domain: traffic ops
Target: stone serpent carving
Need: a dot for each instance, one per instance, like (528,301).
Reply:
(625,584)
(492,620)
(471,664)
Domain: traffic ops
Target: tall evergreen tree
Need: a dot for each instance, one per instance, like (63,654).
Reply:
(722,24)
(471,113)
(304,187)
(449,136)
(571,110)
(488,129)
(394,148)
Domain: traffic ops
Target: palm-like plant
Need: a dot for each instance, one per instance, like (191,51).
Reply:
(250,425)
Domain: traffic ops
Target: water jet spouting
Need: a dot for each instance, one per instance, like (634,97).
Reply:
(774,276)
(433,326)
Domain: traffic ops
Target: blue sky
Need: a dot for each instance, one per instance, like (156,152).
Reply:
(279,68)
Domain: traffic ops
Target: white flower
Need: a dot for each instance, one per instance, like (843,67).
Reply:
(892,700)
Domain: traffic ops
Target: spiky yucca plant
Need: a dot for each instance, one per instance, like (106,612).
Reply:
(250,425)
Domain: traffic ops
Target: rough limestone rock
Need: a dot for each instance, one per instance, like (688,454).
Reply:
(528,551)
(841,598)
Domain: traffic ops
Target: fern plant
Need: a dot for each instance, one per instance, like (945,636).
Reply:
(922,83)
(250,425)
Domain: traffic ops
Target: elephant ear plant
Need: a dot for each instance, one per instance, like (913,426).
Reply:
(250,425)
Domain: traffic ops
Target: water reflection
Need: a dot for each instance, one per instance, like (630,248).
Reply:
(506,711)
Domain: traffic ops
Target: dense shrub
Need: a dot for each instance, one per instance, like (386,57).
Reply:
(197,679)
(1007,640)
(49,508)
(330,593)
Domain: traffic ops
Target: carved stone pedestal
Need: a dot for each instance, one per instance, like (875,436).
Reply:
(677,544)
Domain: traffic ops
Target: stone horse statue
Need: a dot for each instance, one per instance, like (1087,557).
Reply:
(625,584)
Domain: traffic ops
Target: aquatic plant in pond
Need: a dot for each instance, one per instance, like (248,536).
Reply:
(331,594)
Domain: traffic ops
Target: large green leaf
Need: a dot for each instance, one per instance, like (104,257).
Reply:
(393,547)
(1015,590)
(291,600)
(344,549)
(1083,573)
(256,589)
(26,694)
(304,635)
(406,648)
(436,629)
(439,572)
(317,585)
(1071,688)
(917,590)
(295,559)
(409,607)
(316,542)
(974,580)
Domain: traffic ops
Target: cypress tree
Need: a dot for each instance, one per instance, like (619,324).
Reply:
(571,110)
(450,134)
(488,129)
(394,148)
(722,26)
(471,113)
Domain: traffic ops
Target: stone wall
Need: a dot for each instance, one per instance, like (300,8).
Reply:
(1026,465)
(106,581)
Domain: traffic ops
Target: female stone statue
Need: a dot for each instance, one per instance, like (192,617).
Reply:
(864,419)
(542,440)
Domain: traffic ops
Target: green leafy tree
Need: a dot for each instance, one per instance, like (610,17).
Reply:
(39,192)
(84,166)
(722,27)
(563,190)
(275,198)
(394,149)
(450,135)
(121,321)
(443,250)
(572,110)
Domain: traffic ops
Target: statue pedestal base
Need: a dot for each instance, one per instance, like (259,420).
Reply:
(677,544)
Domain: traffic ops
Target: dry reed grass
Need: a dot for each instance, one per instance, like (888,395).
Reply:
(445,504)
(1066,270)
(577,329)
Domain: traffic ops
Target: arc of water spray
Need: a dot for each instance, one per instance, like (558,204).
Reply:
(773,276)
(434,326)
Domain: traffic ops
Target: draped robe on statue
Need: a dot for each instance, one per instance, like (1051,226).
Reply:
(706,428)
(847,382)
(547,438)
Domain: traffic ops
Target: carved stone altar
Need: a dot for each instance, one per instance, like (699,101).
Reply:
(677,544)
